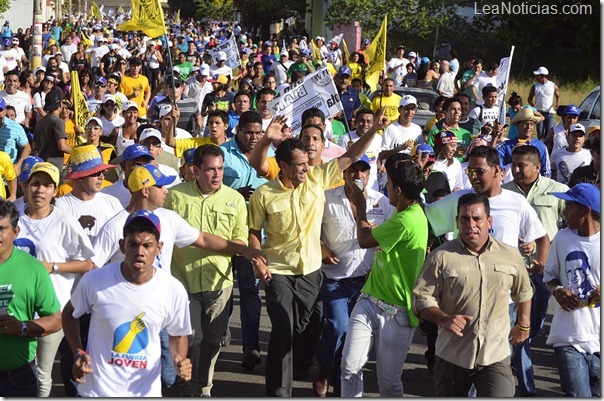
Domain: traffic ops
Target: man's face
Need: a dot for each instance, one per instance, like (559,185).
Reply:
(342,82)
(12,84)
(217,127)
(311,137)
(296,170)
(363,123)
(258,70)
(357,171)
(130,165)
(493,73)
(482,176)
(576,139)
(388,88)
(210,174)
(140,251)
(99,90)
(135,69)
(572,214)
(12,114)
(182,58)
(453,113)
(524,170)
(407,113)
(477,68)
(400,52)
(262,105)
(490,99)
(92,183)
(474,225)
(40,190)
(157,195)
(7,235)
(249,135)
(570,119)
(465,105)
(242,104)
(525,129)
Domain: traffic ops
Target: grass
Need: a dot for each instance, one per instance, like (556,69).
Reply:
(572,92)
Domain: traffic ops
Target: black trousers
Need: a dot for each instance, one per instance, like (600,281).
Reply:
(289,302)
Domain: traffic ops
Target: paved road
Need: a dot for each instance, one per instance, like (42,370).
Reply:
(232,381)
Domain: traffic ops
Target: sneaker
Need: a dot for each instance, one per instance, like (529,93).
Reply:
(225,340)
(251,358)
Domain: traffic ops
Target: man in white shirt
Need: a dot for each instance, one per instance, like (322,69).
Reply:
(572,274)
(397,66)
(488,111)
(130,304)
(69,48)
(220,68)
(152,140)
(486,78)
(20,100)
(401,135)
(345,266)
(566,160)
(446,83)
(198,87)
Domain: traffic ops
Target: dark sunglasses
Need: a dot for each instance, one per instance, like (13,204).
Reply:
(478,171)
(98,173)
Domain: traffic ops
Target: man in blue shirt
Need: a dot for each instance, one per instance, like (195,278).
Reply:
(13,139)
(348,95)
(526,122)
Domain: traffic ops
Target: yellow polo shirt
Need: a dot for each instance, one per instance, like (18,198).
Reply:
(188,143)
(7,170)
(274,169)
(291,219)
(223,213)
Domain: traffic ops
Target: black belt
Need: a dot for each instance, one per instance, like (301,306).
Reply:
(357,279)
(20,369)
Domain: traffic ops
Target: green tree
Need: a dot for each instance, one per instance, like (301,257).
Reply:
(265,12)
(4,6)
(214,9)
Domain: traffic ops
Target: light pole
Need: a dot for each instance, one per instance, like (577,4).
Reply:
(36,52)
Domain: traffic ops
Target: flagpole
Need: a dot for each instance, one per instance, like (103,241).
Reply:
(171,65)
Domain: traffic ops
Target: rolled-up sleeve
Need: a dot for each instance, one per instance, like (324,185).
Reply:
(428,284)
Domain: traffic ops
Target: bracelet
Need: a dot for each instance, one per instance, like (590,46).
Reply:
(557,288)
(79,353)
(523,328)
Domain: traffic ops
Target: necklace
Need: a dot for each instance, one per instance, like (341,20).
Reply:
(32,224)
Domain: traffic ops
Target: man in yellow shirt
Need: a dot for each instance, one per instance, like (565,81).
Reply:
(205,203)
(136,86)
(290,210)
(388,99)
(218,122)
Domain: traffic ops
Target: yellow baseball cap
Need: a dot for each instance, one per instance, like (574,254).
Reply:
(148,176)
(48,168)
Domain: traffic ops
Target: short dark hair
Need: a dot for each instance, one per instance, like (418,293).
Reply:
(242,93)
(140,225)
(315,126)
(388,79)
(407,176)
(473,198)
(313,112)
(461,94)
(528,150)
(9,107)
(265,91)
(396,158)
(285,150)
(488,89)
(220,113)
(8,209)
(448,102)
(364,110)
(490,154)
(208,149)
(14,71)
(258,63)
(250,117)
(493,65)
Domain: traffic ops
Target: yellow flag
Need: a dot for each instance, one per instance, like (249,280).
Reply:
(95,12)
(376,55)
(345,52)
(85,40)
(316,53)
(120,10)
(79,102)
(147,16)
(178,16)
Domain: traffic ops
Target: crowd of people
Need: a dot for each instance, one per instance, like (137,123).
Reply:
(122,235)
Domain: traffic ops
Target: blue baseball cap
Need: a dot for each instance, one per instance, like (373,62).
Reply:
(2,104)
(187,155)
(364,160)
(571,110)
(584,194)
(304,51)
(148,176)
(135,151)
(344,70)
(425,60)
(144,214)
(425,149)
(100,80)
(27,165)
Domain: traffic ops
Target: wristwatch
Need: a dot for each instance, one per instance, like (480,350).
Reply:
(55,267)
(24,329)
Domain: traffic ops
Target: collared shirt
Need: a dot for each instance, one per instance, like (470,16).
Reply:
(548,207)
(238,172)
(350,101)
(339,232)
(222,213)
(462,282)
(292,218)
(12,137)
(506,148)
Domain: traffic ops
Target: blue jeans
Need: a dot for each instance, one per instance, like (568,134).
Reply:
(579,372)
(544,126)
(23,383)
(168,373)
(339,297)
(521,354)
(250,303)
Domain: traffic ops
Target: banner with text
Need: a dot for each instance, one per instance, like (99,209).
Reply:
(503,77)
(230,48)
(317,90)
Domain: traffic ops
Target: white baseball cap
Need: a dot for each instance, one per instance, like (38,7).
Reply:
(148,133)
(411,54)
(407,100)
(222,56)
(541,71)
(114,46)
(129,104)
(165,109)
(109,98)
(204,70)
(577,127)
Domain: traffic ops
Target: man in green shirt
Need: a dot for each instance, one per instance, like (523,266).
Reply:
(184,67)
(207,204)
(382,315)
(452,108)
(301,64)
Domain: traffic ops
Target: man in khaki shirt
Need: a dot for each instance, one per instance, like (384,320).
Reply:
(464,287)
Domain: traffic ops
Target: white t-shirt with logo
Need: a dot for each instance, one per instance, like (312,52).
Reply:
(564,163)
(91,214)
(20,101)
(395,135)
(174,231)
(123,342)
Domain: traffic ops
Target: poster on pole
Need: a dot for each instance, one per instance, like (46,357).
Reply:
(317,90)
(232,52)
(503,77)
